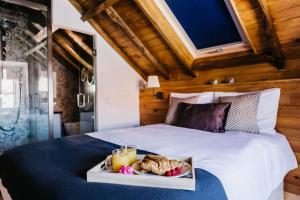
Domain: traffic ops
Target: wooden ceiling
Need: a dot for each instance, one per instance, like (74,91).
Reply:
(142,36)
(73,49)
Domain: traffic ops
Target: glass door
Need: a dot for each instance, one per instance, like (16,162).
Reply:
(24,95)
(74,82)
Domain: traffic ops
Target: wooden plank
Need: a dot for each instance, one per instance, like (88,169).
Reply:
(295,144)
(276,46)
(167,32)
(290,133)
(243,26)
(91,12)
(289,111)
(236,61)
(295,189)
(68,47)
(112,13)
(79,40)
(65,56)
(150,37)
(293,179)
(77,47)
(288,122)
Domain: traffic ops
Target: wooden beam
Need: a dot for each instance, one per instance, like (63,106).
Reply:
(64,55)
(243,26)
(277,53)
(98,9)
(65,44)
(232,62)
(111,42)
(167,32)
(79,40)
(80,51)
(215,58)
(114,16)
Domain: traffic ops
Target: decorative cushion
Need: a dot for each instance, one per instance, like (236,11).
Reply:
(207,117)
(242,115)
(172,114)
(267,108)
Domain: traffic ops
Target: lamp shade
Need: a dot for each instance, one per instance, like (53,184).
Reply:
(153,82)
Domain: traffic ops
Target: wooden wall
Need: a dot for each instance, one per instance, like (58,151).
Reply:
(154,111)
(241,73)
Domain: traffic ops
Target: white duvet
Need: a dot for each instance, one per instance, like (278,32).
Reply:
(250,166)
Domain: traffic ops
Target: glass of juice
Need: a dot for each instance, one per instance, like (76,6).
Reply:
(130,150)
(119,159)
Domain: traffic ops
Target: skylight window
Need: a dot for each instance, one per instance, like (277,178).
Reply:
(204,25)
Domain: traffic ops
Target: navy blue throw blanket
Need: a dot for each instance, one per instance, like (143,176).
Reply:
(56,170)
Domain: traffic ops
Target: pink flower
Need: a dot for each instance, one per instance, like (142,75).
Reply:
(126,170)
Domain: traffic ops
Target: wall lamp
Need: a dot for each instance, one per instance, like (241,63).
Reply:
(153,83)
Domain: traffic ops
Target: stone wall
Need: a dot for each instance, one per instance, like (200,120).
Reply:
(67,87)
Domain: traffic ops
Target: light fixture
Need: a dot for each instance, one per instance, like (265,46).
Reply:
(153,83)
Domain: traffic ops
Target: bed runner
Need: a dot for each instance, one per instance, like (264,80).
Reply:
(56,170)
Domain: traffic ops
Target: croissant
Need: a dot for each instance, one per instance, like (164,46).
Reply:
(159,164)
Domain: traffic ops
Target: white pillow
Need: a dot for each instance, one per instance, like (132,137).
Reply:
(267,108)
(204,97)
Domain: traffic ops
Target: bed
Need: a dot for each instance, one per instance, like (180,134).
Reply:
(230,166)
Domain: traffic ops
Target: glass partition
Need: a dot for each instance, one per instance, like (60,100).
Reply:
(24,96)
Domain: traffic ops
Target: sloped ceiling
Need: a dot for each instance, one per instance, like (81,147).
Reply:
(140,34)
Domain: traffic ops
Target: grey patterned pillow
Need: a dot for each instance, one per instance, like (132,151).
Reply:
(172,112)
(242,115)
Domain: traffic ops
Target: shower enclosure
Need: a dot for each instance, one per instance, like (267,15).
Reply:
(24,72)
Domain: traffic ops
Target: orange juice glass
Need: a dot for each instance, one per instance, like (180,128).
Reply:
(119,159)
(130,150)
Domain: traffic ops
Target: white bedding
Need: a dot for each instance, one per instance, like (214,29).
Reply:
(249,166)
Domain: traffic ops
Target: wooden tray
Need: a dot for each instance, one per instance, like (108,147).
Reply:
(101,175)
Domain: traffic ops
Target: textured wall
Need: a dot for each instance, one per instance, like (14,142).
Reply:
(67,88)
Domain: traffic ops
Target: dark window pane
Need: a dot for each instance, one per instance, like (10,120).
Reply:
(208,23)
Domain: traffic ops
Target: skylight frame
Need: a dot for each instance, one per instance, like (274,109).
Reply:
(198,53)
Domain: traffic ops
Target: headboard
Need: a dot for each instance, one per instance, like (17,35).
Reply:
(153,111)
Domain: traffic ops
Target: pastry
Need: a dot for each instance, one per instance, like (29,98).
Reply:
(159,164)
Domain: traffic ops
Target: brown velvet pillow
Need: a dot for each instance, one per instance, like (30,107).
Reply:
(206,117)
(172,112)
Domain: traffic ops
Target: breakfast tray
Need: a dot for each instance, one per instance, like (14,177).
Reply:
(99,174)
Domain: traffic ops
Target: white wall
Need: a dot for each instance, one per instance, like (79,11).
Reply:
(117,86)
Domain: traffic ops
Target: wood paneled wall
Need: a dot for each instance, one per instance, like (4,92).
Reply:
(154,111)
(244,73)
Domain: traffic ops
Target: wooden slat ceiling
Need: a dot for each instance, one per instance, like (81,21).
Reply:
(73,49)
(142,36)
